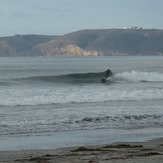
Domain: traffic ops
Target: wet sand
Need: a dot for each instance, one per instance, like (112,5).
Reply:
(151,152)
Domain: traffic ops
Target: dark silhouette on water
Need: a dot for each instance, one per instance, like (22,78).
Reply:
(108,73)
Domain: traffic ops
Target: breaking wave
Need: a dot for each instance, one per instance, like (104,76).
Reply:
(133,76)
(77,78)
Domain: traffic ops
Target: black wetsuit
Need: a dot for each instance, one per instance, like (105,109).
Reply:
(108,73)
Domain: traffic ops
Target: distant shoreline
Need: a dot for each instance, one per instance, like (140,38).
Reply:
(89,42)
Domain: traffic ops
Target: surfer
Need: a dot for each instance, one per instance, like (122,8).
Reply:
(108,73)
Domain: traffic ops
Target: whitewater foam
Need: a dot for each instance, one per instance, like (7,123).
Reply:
(136,76)
(78,94)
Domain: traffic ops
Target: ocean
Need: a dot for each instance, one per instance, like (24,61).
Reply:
(50,95)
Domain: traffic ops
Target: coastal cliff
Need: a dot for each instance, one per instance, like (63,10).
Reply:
(71,49)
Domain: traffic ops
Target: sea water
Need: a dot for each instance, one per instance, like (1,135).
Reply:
(44,95)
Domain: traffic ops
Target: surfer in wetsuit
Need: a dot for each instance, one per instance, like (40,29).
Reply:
(108,73)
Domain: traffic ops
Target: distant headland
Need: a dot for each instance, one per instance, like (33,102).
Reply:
(88,42)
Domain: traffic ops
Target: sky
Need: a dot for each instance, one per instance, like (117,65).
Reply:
(58,17)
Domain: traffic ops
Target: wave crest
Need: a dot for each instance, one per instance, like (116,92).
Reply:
(69,78)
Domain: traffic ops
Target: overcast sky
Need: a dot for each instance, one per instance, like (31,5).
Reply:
(57,17)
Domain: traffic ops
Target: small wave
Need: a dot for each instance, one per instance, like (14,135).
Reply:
(76,78)
(67,78)
(120,121)
(135,118)
(88,122)
(90,77)
(135,76)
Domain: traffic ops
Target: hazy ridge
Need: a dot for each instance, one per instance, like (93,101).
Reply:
(92,42)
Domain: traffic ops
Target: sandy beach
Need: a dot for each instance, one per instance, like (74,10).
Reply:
(133,152)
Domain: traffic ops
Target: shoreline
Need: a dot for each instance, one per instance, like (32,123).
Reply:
(62,139)
(121,152)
